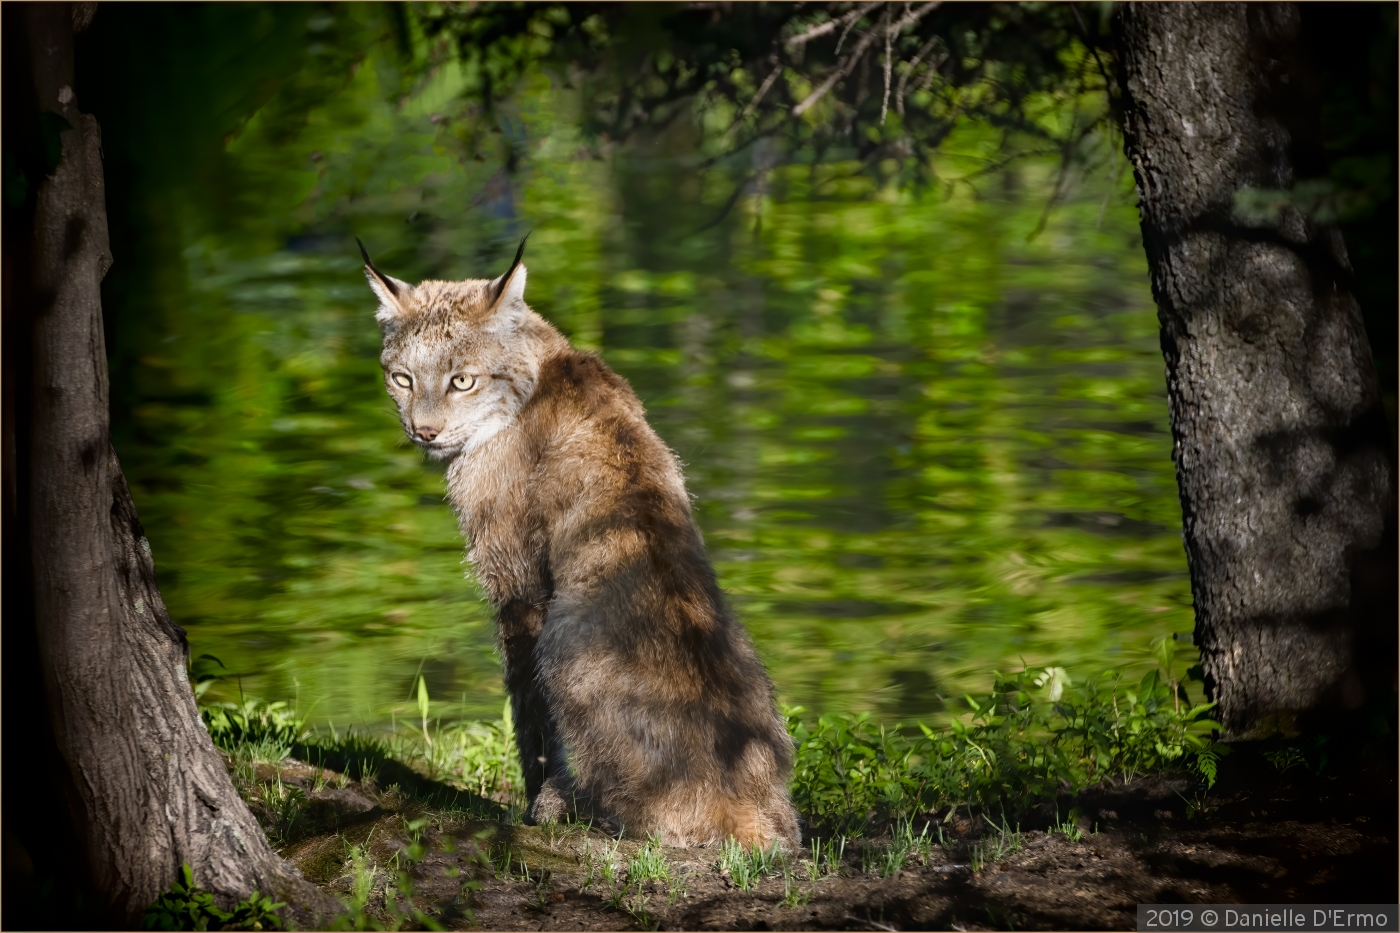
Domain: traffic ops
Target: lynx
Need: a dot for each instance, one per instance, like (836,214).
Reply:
(638,698)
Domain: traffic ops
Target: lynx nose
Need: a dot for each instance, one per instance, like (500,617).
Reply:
(425,433)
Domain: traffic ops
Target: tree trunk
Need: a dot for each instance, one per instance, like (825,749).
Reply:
(149,789)
(1280,443)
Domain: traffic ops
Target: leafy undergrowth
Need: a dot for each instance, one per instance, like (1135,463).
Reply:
(1039,735)
(186,906)
(1035,738)
(1051,802)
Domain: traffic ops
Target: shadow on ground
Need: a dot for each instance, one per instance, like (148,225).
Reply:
(1257,836)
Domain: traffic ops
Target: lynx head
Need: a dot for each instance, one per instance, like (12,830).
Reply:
(457,359)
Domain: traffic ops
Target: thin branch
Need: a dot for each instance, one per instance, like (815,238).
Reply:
(913,66)
(1107,82)
(933,71)
(1066,155)
(829,26)
(773,130)
(849,26)
(885,101)
(909,19)
(751,105)
(841,71)
(1056,194)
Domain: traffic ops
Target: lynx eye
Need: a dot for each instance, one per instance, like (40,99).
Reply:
(403,380)
(463,383)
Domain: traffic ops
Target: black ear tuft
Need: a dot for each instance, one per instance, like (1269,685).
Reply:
(505,279)
(388,282)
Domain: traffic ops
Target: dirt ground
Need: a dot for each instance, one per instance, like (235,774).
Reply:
(1259,837)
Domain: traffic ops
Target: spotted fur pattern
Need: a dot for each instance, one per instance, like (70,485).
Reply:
(638,698)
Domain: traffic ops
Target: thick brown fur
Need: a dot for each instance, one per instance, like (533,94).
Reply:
(638,698)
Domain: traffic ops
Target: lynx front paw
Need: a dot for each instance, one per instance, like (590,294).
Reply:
(549,804)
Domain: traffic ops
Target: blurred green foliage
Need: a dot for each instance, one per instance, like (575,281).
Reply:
(925,427)
(925,439)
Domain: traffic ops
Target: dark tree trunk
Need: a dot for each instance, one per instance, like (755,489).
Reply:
(148,789)
(1280,443)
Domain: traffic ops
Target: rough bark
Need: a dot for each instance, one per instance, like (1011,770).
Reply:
(150,789)
(1279,440)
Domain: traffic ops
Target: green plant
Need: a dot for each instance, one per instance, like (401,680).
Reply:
(416,850)
(400,884)
(1009,841)
(977,857)
(826,856)
(1197,803)
(1037,734)
(283,804)
(599,866)
(904,844)
(891,861)
(186,906)
(541,880)
(993,848)
(848,768)
(1070,827)
(362,874)
(649,864)
(793,894)
(746,866)
(499,857)
(481,755)
(1207,763)
(636,908)
(676,888)
(1284,759)
(362,878)
(423,708)
(254,730)
(202,674)
(409,913)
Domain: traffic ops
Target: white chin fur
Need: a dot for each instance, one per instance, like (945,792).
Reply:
(442,453)
(479,436)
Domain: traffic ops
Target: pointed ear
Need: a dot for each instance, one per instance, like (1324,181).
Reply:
(391,291)
(508,291)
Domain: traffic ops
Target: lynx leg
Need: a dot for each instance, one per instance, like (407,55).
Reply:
(534,726)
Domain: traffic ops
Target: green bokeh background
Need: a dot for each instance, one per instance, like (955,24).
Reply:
(925,442)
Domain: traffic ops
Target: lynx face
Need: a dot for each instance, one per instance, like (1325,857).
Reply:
(454,359)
